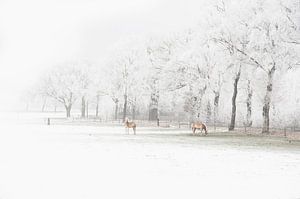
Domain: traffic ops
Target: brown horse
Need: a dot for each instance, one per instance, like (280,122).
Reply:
(129,125)
(199,125)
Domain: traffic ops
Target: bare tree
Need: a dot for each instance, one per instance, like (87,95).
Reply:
(270,53)
(234,96)
(63,84)
(249,104)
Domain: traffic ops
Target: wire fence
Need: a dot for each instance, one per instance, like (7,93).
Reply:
(183,124)
(164,122)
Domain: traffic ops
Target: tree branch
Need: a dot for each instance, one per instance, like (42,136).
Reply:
(252,59)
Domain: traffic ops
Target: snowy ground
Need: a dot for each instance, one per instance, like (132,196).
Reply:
(70,162)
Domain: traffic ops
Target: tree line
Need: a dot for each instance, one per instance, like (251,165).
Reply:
(237,65)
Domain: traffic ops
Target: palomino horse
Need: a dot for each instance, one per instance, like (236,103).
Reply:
(199,125)
(130,125)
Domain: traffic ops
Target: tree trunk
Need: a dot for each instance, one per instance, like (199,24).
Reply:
(125,108)
(87,108)
(68,105)
(116,109)
(68,110)
(134,109)
(267,101)
(249,104)
(83,107)
(216,107)
(149,108)
(133,113)
(208,112)
(235,91)
(97,106)
(153,112)
(44,104)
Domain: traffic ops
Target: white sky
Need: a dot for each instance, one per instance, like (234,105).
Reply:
(35,34)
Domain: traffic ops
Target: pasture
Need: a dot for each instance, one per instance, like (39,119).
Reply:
(77,161)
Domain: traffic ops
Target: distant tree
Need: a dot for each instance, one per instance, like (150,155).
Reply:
(85,89)
(63,83)
(125,75)
(159,53)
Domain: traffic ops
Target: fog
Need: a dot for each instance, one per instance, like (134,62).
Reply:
(35,34)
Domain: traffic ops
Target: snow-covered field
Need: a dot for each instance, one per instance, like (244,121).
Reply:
(70,162)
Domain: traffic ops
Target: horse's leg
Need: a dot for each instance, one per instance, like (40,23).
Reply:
(134,130)
(193,129)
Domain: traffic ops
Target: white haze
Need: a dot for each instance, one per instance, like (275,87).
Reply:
(36,34)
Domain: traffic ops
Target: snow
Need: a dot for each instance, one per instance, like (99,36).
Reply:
(39,161)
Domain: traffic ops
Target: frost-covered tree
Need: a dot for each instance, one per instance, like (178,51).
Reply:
(98,87)
(126,74)
(266,40)
(63,84)
(237,58)
(113,86)
(159,53)
(216,77)
(271,52)
(85,89)
(229,27)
